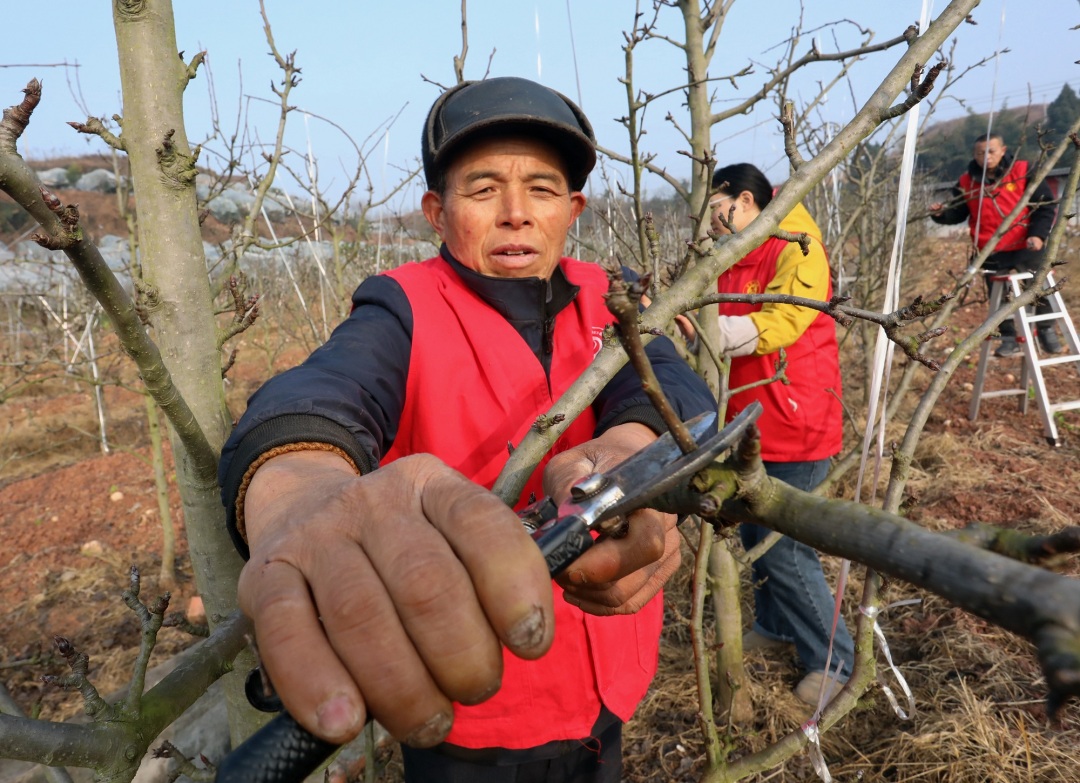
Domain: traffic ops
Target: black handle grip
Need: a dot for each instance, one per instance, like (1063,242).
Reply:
(282,751)
(562,542)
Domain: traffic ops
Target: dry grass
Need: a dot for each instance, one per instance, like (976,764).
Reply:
(979,693)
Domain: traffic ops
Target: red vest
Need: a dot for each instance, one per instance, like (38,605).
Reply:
(987,213)
(801,421)
(474,385)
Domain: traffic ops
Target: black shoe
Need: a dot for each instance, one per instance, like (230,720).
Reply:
(1008,347)
(1049,342)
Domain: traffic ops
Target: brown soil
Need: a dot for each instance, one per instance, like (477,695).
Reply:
(979,690)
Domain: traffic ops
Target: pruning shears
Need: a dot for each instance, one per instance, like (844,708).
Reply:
(283,751)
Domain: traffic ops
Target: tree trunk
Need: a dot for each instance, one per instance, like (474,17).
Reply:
(153,79)
(732,696)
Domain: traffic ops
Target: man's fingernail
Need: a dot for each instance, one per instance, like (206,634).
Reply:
(578,577)
(529,632)
(484,695)
(432,732)
(338,716)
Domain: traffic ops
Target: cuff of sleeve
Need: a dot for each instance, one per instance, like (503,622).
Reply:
(738,334)
(238,506)
(278,436)
(642,414)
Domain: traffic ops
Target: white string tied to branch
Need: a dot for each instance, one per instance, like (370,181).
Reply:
(872,612)
(813,748)
(883,353)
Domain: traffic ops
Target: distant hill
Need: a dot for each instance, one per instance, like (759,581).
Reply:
(945,147)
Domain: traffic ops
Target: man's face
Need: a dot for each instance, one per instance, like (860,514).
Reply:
(506,209)
(988,154)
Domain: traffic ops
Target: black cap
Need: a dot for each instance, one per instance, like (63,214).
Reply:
(509,105)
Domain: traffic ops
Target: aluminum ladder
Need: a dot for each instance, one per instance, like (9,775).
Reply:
(1032,372)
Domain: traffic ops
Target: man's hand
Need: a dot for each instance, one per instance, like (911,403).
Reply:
(616,576)
(388,593)
(937,208)
(1034,243)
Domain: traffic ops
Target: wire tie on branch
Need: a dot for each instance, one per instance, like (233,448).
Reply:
(829,686)
(817,758)
(872,612)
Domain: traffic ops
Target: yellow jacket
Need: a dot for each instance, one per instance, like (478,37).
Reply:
(780,325)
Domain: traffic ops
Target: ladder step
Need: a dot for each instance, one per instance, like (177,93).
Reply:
(1034,363)
(1001,393)
(1072,357)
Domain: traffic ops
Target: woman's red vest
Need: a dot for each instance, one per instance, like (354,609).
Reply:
(474,386)
(801,421)
(985,214)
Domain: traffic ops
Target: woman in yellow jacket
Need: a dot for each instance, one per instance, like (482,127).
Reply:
(801,423)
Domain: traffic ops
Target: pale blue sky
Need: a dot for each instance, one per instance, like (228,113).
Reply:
(363,62)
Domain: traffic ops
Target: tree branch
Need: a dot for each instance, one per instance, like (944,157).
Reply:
(623,300)
(909,35)
(115,747)
(920,88)
(21,183)
(704,274)
(95,127)
(1039,605)
(193,66)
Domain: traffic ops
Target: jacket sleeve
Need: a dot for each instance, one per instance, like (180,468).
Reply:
(348,394)
(955,211)
(780,325)
(622,399)
(1043,211)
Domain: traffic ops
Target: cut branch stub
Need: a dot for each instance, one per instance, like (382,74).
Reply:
(17,117)
(177,168)
(801,238)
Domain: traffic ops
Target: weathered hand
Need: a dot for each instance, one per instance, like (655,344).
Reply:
(596,587)
(388,593)
(617,576)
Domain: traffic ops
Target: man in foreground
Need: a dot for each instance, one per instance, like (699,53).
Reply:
(409,592)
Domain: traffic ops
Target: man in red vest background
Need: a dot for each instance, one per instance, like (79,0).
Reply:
(384,579)
(987,192)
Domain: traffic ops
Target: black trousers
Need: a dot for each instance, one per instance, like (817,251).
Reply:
(596,759)
(1022,260)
